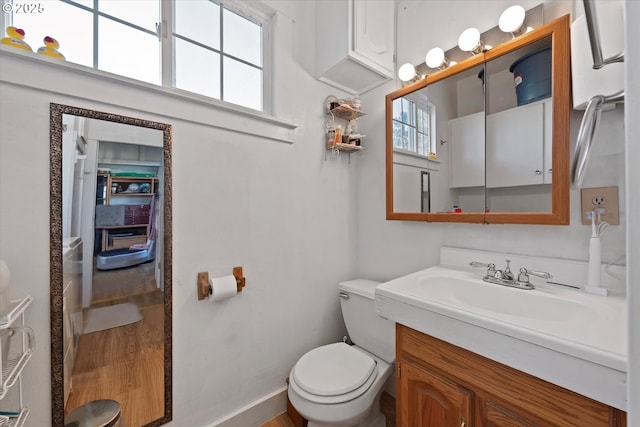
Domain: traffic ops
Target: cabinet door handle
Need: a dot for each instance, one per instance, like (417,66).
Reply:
(538,172)
(550,170)
(463,422)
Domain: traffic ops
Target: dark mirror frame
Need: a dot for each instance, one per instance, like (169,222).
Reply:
(55,266)
(558,30)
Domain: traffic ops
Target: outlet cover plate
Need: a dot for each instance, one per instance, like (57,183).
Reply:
(601,197)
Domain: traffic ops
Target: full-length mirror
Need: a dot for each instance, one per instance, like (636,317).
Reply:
(110,265)
(493,133)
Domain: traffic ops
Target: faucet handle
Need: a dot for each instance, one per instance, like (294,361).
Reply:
(507,274)
(523,277)
(491,267)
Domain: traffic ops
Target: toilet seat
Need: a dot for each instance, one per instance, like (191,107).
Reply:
(333,373)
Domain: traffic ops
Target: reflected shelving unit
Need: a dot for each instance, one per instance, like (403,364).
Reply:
(11,399)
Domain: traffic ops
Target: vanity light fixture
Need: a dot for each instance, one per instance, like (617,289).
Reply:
(407,73)
(511,20)
(436,59)
(469,41)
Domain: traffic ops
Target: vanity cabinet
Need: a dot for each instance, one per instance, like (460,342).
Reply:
(439,384)
(355,43)
(519,146)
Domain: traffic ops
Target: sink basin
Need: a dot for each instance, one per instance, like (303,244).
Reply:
(470,292)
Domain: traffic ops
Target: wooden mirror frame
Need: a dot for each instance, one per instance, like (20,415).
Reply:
(55,267)
(558,30)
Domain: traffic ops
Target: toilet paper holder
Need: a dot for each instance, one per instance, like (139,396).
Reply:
(204,288)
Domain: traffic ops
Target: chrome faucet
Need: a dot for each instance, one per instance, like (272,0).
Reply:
(506,277)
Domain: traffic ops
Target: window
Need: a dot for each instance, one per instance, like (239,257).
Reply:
(414,126)
(213,48)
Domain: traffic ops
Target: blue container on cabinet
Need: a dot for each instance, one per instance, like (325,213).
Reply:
(532,76)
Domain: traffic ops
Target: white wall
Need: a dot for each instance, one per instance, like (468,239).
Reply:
(282,211)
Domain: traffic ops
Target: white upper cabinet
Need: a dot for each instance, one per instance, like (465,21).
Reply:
(355,43)
(516,143)
(466,151)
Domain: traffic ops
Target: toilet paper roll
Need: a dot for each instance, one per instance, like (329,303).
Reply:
(223,288)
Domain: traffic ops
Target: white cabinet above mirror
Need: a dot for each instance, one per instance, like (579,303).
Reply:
(356,52)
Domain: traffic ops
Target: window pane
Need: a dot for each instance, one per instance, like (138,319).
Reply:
(242,38)
(242,84)
(76,41)
(143,13)
(408,112)
(198,20)
(128,52)
(197,69)
(423,144)
(397,134)
(397,109)
(423,120)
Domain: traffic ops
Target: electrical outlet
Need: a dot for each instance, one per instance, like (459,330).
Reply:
(602,201)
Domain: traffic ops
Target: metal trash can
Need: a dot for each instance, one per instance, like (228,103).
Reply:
(99,413)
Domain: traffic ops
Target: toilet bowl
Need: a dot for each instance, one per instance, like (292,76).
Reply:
(340,384)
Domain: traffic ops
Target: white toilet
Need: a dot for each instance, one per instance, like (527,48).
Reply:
(338,384)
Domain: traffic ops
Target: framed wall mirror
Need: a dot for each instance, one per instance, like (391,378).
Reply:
(111,267)
(496,146)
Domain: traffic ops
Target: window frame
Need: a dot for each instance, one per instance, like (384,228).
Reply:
(257,13)
(244,10)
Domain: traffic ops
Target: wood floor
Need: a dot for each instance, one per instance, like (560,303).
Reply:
(387,407)
(125,364)
(279,421)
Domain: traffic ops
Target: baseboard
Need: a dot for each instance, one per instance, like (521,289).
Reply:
(257,412)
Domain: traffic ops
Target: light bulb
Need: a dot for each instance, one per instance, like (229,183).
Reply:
(407,72)
(435,58)
(512,19)
(469,41)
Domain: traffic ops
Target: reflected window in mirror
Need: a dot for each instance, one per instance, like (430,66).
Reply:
(414,123)
(110,264)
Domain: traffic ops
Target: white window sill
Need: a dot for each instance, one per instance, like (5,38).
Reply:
(69,79)
(412,154)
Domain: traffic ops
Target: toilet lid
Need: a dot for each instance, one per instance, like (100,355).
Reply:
(333,369)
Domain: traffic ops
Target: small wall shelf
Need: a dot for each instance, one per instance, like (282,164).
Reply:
(348,148)
(346,112)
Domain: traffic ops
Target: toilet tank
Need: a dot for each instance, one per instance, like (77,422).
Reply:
(366,329)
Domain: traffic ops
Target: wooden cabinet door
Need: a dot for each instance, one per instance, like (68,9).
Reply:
(428,400)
